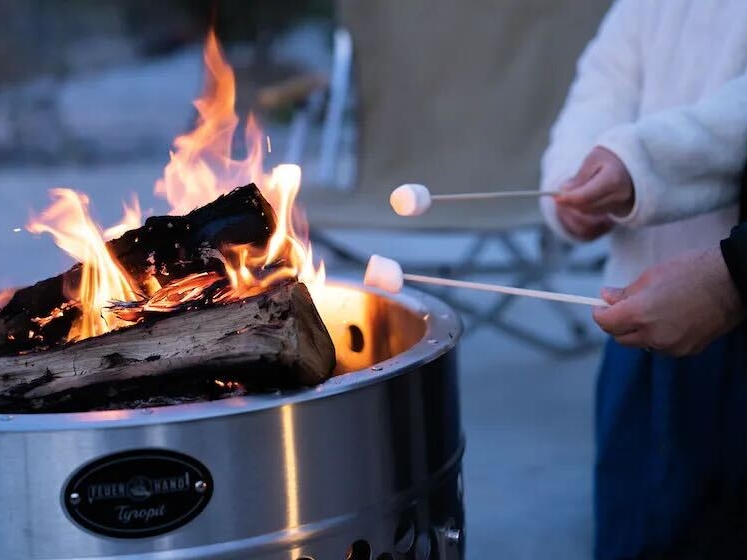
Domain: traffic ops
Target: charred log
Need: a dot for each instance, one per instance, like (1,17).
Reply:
(275,340)
(165,248)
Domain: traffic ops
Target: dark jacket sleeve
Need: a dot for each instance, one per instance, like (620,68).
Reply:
(734,250)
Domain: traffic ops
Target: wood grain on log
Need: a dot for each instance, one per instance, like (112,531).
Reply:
(273,340)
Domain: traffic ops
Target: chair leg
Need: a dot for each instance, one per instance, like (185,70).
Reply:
(338,93)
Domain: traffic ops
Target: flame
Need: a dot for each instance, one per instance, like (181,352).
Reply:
(130,220)
(288,254)
(201,167)
(102,280)
(5,296)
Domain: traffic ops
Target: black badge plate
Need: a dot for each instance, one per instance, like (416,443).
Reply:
(137,494)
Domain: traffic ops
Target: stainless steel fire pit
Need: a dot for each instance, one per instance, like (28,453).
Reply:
(368,465)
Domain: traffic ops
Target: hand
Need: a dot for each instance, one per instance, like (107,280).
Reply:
(678,307)
(586,227)
(602,186)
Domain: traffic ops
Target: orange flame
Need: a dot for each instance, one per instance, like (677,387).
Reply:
(131,219)
(201,168)
(102,280)
(5,296)
(287,254)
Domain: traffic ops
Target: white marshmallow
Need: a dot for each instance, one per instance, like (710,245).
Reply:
(410,200)
(385,274)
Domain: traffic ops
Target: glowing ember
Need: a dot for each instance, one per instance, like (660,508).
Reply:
(68,221)
(230,385)
(200,169)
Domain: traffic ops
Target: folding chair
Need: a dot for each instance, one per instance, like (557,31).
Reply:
(459,96)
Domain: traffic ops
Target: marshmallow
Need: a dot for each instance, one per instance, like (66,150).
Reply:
(385,274)
(410,200)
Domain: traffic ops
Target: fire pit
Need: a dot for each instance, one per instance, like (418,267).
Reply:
(193,388)
(367,464)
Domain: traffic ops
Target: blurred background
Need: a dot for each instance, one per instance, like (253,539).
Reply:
(364,95)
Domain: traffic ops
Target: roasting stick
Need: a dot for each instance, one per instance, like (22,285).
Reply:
(414,200)
(499,194)
(387,274)
(509,290)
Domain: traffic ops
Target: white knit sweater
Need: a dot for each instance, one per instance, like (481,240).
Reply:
(664,86)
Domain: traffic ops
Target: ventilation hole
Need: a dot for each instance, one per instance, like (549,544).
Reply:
(356,338)
(360,550)
(423,547)
(385,556)
(404,536)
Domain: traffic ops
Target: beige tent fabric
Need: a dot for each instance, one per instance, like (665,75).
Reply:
(460,94)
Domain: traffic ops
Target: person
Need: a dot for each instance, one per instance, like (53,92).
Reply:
(679,307)
(648,149)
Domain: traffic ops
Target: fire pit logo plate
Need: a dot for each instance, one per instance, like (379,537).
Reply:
(137,494)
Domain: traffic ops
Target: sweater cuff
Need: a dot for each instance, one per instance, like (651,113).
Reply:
(622,142)
(734,251)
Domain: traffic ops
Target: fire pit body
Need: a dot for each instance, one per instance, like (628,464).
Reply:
(366,465)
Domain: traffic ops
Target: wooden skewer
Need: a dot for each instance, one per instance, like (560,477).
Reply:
(539,294)
(499,194)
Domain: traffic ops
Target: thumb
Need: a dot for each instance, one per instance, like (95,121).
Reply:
(570,184)
(613,295)
(589,168)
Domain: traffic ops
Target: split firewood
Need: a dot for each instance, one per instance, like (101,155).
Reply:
(165,248)
(274,340)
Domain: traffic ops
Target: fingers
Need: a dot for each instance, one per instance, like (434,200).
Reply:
(613,295)
(597,195)
(635,339)
(620,319)
(578,180)
(580,224)
(620,322)
(602,185)
(583,226)
(589,168)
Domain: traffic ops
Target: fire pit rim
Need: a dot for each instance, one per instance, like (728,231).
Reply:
(443,328)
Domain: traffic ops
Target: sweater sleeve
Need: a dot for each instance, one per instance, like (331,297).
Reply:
(604,94)
(685,160)
(734,251)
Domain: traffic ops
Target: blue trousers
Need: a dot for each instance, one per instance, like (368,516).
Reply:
(670,434)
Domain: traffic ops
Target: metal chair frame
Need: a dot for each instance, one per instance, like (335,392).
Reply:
(329,106)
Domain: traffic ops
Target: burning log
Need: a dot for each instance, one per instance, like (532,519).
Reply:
(182,308)
(164,249)
(273,340)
